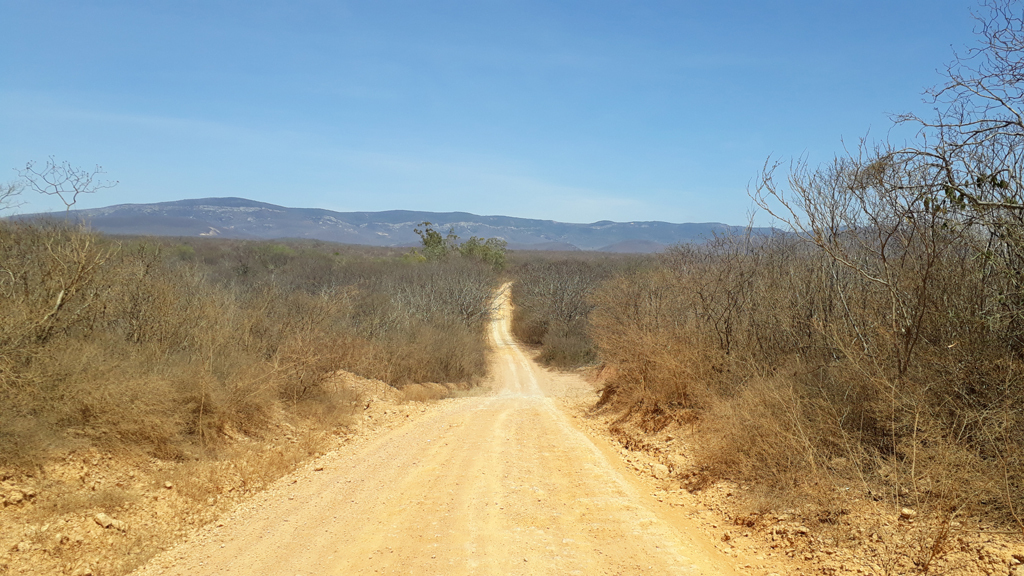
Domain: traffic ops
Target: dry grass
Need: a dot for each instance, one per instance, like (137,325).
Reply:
(160,501)
(171,348)
(66,503)
(209,366)
(425,392)
(552,307)
(818,387)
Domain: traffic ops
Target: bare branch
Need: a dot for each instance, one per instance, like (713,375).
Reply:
(63,180)
(8,193)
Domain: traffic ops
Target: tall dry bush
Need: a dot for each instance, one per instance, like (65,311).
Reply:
(428,319)
(552,307)
(639,325)
(869,350)
(143,344)
(873,349)
(918,324)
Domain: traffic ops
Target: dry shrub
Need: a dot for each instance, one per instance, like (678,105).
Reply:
(217,355)
(438,354)
(774,435)
(141,345)
(567,348)
(332,409)
(813,382)
(258,468)
(107,499)
(529,326)
(551,307)
(637,326)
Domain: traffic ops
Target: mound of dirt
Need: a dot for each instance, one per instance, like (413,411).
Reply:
(370,390)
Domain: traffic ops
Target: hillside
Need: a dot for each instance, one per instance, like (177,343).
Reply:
(242,218)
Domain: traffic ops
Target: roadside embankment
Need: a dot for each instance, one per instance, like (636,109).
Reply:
(105,512)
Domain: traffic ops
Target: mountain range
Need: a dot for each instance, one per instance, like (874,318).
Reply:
(242,218)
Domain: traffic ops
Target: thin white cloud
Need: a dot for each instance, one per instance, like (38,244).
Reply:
(481,184)
(352,179)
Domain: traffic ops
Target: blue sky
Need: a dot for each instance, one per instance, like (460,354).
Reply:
(572,111)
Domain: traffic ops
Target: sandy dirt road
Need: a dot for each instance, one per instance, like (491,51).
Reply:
(496,484)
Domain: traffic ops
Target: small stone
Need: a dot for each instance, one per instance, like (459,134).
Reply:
(23,546)
(103,520)
(168,485)
(907,514)
(82,571)
(108,522)
(318,469)
(15,497)
(659,471)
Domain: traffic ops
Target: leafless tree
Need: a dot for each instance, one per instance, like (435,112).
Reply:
(63,180)
(975,138)
(871,212)
(975,145)
(8,193)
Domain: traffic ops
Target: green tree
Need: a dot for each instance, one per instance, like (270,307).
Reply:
(435,246)
(490,250)
(438,247)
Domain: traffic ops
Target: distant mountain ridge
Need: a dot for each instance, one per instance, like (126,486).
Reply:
(242,218)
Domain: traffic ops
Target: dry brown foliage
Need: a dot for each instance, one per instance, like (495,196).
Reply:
(552,307)
(170,346)
(865,361)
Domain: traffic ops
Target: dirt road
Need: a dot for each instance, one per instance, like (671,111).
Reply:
(495,484)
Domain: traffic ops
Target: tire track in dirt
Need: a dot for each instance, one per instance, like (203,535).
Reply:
(495,484)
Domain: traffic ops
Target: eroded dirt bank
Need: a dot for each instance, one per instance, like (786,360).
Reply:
(501,483)
(103,512)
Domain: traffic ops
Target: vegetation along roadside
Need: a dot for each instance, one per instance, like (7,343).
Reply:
(161,378)
(859,373)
